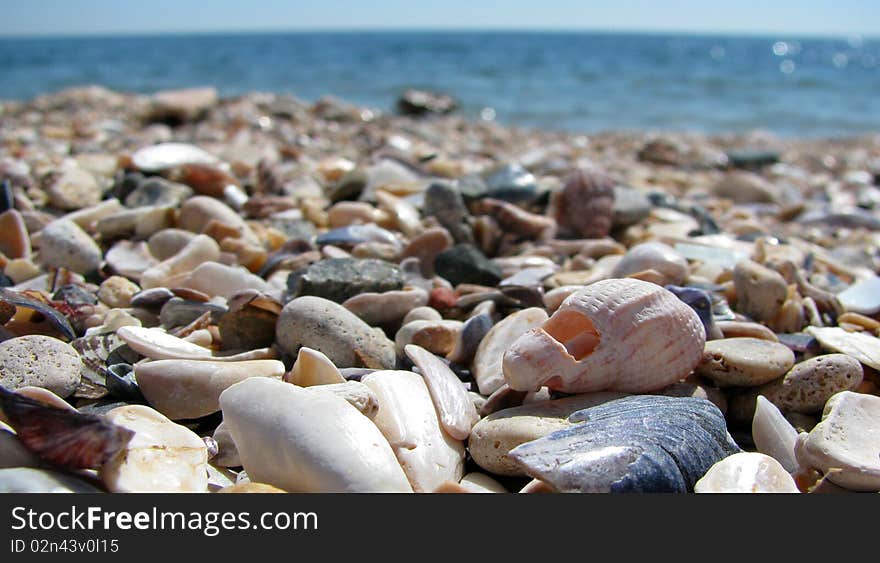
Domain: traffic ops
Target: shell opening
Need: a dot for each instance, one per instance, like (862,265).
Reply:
(575,331)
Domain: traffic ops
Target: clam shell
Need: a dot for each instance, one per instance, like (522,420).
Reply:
(642,443)
(619,334)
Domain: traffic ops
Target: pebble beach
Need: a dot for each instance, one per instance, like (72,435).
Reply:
(255,293)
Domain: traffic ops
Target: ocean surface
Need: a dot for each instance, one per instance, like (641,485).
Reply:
(583,82)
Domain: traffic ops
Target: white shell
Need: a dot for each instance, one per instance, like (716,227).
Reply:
(408,420)
(618,334)
(157,344)
(746,472)
(168,155)
(774,435)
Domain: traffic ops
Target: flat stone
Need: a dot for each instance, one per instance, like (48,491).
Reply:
(64,245)
(511,182)
(845,445)
(760,291)
(332,329)
(746,187)
(744,362)
(183,389)
(862,297)
(495,435)
(464,263)
(388,308)
(339,279)
(306,441)
(162,156)
(31,480)
(162,457)
(408,420)
(40,361)
(198,212)
(746,472)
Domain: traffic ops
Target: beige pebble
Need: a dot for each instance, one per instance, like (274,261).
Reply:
(74,188)
(308,441)
(746,472)
(166,243)
(760,291)
(40,361)
(197,212)
(486,366)
(408,420)
(438,337)
(216,279)
(495,435)
(424,313)
(389,307)
(656,256)
(736,329)
(481,483)
(744,362)
(845,445)
(426,246)
(88,217)
(184,389)
(162,457)
(863,347)
(21,270)
(117,291)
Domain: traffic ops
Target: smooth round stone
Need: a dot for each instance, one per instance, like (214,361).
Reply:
(653,256)
(486,366)
(481,483)
(307,441)
(495,435)
(182,389)
(40,361)
(744,362)
(166,243)
(760,291)
(464,263)
(808,385)
(845,445)
(64,245)
(747,472)
(75,188)
(117,291)
(746,187)
(386,308)
(198,211)
(213,278)
(335,331)
(168,155)
(30,480)
(162,457)
(423,313)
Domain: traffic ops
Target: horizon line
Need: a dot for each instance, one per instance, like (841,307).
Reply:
(752,33)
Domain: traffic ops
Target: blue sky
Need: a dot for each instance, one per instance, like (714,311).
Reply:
(792,17)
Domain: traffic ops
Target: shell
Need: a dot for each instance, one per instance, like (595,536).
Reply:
(619,334)
(643,443)
(585,206)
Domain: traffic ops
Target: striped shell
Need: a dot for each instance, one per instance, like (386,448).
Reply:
(585,206)
(618,334)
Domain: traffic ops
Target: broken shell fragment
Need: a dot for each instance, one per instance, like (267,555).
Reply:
(65,437)
(619,334)
(641,443)
(746,472)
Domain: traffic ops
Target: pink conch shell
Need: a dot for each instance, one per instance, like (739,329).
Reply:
(618,334)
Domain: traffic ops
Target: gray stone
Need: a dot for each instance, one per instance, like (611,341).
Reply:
(158,191)
(330,328)
(630,207)
(444,201)
(339,279)
(511,182)
(464,263)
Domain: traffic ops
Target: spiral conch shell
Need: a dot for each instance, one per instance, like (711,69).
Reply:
(617,334)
